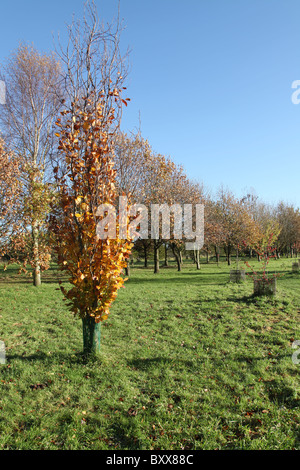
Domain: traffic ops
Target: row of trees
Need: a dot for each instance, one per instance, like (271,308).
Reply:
(147,178)
(232,225)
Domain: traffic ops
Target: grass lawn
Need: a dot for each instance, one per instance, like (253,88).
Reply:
(189,361)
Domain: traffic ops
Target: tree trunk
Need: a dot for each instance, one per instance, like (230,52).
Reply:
(91,335)
(178,261)
(178,256)
(127,269)
(145,256)
(166,256)
(229,256)
(237,259)
(36,270)
(198,265)
(156,258)
(217,255)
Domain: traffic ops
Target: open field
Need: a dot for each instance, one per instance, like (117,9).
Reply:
(189,361)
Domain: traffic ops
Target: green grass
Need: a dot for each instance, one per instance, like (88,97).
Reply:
(188,361)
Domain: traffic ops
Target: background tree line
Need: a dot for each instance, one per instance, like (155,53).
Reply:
(90,70)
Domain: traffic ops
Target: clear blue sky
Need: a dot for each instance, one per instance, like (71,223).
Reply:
(211,80)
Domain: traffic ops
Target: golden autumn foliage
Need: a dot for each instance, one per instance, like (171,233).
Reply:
(22,202)
(10,195)
(94,265)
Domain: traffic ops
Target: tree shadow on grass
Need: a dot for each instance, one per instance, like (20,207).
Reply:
(252,359)
(70,359)
(282,395)
(122,433)
(184,279)
(157,362)
(249,299)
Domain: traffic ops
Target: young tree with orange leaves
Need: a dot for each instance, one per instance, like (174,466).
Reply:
(94,76)
(93,263)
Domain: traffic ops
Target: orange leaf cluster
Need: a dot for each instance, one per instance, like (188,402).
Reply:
(94,266)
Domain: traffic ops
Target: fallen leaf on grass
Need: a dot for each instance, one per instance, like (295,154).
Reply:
(38,386)
(132,412)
